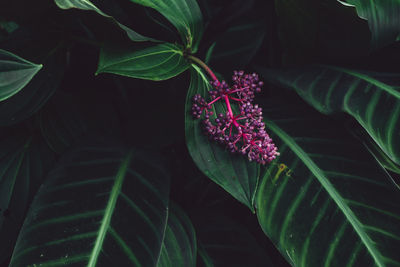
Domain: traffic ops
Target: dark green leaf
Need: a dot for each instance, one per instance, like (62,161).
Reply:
(326,201)
(179,247)
(15,73)
(232,172)
(24,161)
(383,19)
(159,62)
(381,157)
(35,94)
(185,15)
(373,99)
(101,207)
(87,5)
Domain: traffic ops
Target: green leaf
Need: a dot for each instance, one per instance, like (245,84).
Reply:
(232,172)
(15,73)
(381,157)
(185,15)
(87,5)
(159,62)
(101,206)
(326,201)
(24,104)
(373,99)
(179,247)
(383,18)
(24,161)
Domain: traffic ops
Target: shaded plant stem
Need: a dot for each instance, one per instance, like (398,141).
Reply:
(204,66)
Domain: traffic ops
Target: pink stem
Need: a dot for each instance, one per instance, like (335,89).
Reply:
(212,102)
(238,90)
(236,99)
(204,66)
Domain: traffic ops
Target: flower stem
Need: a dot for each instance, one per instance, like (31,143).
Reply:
(204,66)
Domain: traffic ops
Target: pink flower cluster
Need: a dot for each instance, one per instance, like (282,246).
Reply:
(244,132)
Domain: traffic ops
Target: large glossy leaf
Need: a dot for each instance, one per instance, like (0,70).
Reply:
(15,73)
(383,19)
(185,15)
(327,202)
(24,161)
(22,105)
(232,172)
(87,5)
(373,99)
(101,207)
(159,62)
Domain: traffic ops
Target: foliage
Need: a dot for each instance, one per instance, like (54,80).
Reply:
(102,163)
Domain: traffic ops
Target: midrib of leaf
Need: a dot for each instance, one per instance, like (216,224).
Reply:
(368,79)
(356,224)
(162,239)
(105,224)
(145,55)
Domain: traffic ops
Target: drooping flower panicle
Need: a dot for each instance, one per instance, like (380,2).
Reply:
(244,132)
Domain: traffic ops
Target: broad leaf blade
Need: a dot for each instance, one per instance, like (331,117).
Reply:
(159,62)
(328,202)
(36,93)
(179,247)
(185,15)
(99,207)
(24,161)
(373,99)
(87,5)
(232,172)
(15,73)
(383,18)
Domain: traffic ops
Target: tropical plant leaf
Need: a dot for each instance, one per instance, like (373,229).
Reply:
(15,73)
(179,247)
(232,172)
(185,15)
(383,18)
(224,242)
(87,5)
(24,104)
(159,62)
(326,201)
(24,161)
(101,207)
(373,99)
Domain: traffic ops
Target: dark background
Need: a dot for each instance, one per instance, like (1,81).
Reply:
(151,114)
